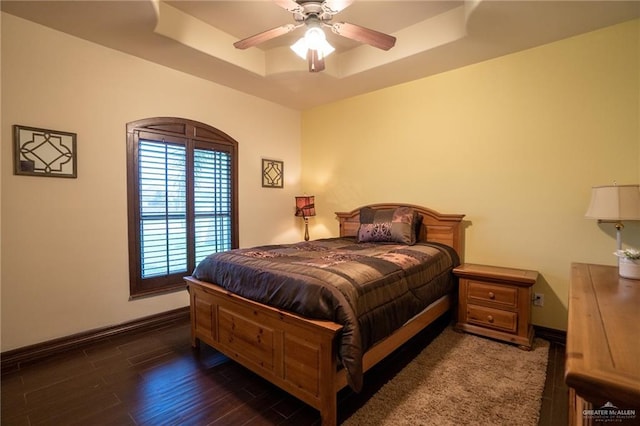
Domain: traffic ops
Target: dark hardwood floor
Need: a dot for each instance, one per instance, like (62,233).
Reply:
(155,378)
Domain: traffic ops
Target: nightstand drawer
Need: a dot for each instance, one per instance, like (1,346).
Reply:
(500,296)
(494,318)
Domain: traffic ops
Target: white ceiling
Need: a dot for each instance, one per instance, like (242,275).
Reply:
(197,37)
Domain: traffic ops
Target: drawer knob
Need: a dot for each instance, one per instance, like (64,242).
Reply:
(490,318)
(492,295)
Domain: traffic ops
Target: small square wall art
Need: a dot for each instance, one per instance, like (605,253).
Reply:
(43,152)
(272,173)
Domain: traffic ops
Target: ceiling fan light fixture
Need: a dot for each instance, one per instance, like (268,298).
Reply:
(315,15)
(313,39)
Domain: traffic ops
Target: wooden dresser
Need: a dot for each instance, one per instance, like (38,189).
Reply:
(496,302)
(603,346)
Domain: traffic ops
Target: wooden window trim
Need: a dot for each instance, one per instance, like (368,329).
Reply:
(194,135)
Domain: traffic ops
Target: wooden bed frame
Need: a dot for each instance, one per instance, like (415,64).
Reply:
(298,354)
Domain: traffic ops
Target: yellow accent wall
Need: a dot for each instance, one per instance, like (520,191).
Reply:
(64,241)
(515,143)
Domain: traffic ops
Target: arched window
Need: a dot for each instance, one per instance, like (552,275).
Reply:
(182,200)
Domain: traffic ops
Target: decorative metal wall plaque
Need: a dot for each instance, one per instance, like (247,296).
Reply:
(42,152)
(272,173)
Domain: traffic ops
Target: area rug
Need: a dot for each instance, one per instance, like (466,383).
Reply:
(462,379)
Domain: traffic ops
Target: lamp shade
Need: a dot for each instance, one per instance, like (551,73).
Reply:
(614,202)
(305,206)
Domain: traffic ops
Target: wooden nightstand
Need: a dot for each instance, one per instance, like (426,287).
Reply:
(495,302)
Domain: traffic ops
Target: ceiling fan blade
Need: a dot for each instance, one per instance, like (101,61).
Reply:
(335,6)
(264,36)
(364,35)
(316,63)
(289,5)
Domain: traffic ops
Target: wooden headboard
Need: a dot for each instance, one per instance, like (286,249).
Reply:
(436,227)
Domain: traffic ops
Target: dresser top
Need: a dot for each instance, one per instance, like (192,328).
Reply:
(603,335)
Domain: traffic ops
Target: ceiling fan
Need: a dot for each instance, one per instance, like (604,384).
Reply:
(315,15)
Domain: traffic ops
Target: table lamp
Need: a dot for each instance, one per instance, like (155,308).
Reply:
(305,207)
(613,204)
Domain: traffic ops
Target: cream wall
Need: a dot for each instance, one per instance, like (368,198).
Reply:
(64,241)
(515,143)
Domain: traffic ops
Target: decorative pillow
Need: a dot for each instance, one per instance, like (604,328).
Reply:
(389,225)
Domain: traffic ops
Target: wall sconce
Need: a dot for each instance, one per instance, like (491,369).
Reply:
(305,207)
(613,204)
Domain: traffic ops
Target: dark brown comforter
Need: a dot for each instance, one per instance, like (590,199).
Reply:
(370,288)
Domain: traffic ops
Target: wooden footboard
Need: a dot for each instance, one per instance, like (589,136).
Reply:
(296,354)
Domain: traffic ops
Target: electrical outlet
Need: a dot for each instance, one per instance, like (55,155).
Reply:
(538,299)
